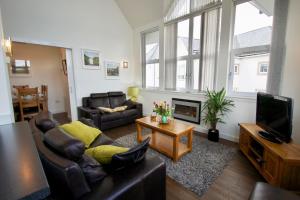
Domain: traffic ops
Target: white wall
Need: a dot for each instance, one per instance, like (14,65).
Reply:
(6,111)
(290,81)
(46,69)
(96,24)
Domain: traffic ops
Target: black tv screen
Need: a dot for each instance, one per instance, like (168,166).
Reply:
(274,115)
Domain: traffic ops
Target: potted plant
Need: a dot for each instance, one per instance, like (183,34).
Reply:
(162,109)
(214,109)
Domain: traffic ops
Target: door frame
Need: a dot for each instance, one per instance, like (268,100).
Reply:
(70,69)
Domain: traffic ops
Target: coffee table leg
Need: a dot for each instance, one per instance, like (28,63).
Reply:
(153,137)
(190,140)
(139,132)
(175,148)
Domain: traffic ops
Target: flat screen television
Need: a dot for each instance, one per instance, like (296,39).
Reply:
(274,115)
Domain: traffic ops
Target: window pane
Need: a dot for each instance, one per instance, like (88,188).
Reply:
(181,74)
(183,38)
(197,35)
(152,46)
(196,74)
(251,47)
(152,75)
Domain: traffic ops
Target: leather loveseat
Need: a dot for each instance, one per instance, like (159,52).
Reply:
(102,120)
(144,180)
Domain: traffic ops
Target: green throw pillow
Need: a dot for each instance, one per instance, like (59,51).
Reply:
(82,132)
(104,153)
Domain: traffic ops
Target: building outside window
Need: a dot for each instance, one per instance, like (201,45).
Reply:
(263,68)
(251,47)
(150,58)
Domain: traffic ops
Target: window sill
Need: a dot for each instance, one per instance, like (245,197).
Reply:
(234,96)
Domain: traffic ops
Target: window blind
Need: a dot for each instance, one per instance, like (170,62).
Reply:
(170,56)
(180,8)
(210,48)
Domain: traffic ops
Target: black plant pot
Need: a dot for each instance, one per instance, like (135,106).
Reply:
(213,135)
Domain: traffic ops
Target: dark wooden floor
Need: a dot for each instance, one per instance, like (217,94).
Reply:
(236,181)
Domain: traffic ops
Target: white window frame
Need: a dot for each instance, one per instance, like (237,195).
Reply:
(236,66)
(230,89)
(191,57)
(153,61)
(259,68)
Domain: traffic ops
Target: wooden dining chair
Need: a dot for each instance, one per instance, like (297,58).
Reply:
(44,102)
(29,102)
(20,86)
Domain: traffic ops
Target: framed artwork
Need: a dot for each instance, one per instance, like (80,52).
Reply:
(91,59)
(112,70)
(20,68)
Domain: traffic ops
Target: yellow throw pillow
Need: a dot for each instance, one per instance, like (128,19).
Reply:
(111,110)
(104,153)
(82,132)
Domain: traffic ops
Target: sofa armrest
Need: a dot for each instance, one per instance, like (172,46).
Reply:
(93,114)
(64,176)
(139,107)
(144,181)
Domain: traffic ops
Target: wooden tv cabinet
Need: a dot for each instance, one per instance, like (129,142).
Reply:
(279,164)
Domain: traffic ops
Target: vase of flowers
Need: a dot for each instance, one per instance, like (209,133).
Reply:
(163,110)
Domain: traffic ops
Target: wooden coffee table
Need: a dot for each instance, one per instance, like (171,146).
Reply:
(165,138)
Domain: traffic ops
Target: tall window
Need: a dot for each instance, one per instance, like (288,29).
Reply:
(188,53)
(193,31)
(251,47)
(150,58)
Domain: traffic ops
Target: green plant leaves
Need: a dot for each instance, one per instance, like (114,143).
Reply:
(215,107)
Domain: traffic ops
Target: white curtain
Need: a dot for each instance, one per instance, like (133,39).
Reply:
(181,8)
(197,5)
(210,48)
(170,56)
(178,9)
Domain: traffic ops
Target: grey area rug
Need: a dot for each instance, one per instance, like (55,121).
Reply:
(196,170)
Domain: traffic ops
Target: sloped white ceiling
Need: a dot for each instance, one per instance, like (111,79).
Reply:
(142,12)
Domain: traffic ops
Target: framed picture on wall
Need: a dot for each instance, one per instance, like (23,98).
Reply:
(112,70)
(91,59)
(20,68)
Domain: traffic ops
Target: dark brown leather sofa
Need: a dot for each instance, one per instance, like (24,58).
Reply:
(144,181)
(111,100)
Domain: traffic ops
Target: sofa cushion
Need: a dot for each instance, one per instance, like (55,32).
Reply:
(111,110)
(133,156)
(98,99)
(45,124)
(91,169)
(116,99)
(111,116)
(82,132)
(101,140)
(129,113)
(64,144)
(104,153)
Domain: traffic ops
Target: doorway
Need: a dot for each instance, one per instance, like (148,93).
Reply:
(37,66)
